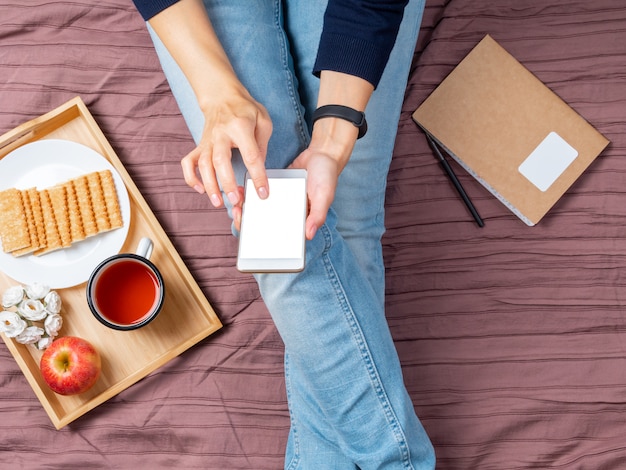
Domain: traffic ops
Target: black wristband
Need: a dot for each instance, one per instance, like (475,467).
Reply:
(342,112)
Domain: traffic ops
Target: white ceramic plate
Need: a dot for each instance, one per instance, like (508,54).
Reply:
(45,163)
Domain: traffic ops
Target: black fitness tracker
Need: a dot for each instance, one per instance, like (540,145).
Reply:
(342,112)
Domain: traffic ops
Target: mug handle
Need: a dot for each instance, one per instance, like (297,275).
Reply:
(144,248)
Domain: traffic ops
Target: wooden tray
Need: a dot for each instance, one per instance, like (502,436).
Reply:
(127,356)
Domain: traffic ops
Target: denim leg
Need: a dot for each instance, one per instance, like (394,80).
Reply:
(352,260)
(360,196)
(343,374)
(348,403)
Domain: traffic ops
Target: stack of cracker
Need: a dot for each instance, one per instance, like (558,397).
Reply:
(40,221)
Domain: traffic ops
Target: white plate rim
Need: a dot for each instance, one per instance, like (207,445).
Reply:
(41,164)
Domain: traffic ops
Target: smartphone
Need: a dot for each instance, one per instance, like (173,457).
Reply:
(272,235)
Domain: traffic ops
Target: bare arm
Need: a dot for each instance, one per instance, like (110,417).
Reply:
(233,119)
(331,144)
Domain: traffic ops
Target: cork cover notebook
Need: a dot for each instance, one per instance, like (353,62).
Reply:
(510,131)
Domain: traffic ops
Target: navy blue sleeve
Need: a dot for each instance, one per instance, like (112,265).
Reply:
(358,36)
(149,8)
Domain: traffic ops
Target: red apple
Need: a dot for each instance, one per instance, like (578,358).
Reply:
(70,365)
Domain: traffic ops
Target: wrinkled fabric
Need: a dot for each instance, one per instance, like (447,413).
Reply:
(511,337)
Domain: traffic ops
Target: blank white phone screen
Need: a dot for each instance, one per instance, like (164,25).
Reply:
(273,228)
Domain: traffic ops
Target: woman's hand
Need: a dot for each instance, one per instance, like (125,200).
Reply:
(233,118)
(234,121)
(325,158)
(332,141)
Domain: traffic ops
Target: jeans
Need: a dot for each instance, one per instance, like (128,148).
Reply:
(348,404)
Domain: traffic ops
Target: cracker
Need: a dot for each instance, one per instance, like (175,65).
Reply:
(84,204)
(13,225)
(35,205)
(30,220)
(58,199)
(97,202)
(53,239)
(54,218)
(110,199)
(32,229)
(77,231)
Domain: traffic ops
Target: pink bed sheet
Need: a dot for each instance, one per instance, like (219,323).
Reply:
(512,338)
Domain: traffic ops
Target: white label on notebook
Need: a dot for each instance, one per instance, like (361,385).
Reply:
(548,161)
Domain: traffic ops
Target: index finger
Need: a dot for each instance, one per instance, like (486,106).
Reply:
(253,152)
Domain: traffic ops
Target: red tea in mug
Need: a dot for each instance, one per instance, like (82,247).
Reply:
(126,292)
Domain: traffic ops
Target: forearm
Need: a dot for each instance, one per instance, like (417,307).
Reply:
(331,145)
(186,31)
(335,136)
(344,89)
(232,118)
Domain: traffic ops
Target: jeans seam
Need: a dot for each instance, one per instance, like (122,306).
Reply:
(374,376)
(295,460)
(291,86)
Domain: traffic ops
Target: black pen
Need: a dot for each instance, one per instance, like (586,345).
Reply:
(457,184)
